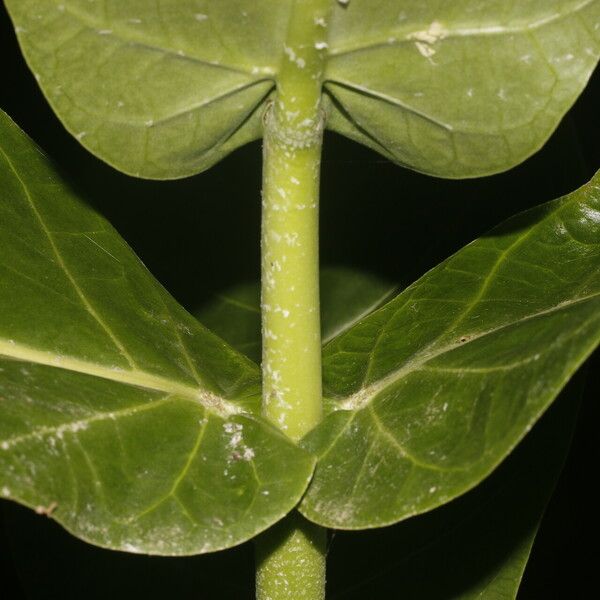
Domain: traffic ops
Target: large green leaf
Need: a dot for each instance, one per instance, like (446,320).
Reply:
(120,414)
(346,297)
(165,89)
(157,89)
(475,547)
(433,390)
(462,88)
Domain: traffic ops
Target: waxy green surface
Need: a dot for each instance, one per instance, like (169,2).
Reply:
(166,89)
(491,529)
(431,392)
(120,415)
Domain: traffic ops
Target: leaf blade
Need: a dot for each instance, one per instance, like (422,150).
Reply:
(157,91)
(492,528)
(123,417)
(431,392)
(461,91)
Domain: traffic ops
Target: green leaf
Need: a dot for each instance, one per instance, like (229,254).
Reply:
(436,388)
(156,89)
(458,89)
(166,89)
(491,529)
(346,297)
(123,417)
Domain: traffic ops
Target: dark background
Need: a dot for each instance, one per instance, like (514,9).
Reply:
(201,235)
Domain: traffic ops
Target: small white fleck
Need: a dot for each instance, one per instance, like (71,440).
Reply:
(432,489)
(320,22)
(5,492)
(200,17)
(321,45)
(424,49)
(104,31)
(4,445)
(81,135)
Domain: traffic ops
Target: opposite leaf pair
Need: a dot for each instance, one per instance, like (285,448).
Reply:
(142,430)
(166,89)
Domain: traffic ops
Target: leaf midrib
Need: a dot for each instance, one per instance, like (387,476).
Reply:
(364,397)
(134,377)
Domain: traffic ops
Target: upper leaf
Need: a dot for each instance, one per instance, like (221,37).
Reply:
(156,89)
(433,390)
(461,88)
(166,89)
(136,427)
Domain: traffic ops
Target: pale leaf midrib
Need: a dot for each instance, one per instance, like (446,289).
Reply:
(63,267)
(363,397)
(135,377)
(81,424)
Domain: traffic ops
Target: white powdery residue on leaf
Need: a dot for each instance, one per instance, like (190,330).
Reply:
(200,17)
(427,38)
(5,492)
(590,214)
(236,443)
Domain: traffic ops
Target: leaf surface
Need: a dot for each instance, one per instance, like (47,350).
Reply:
(166,89)
(157,89)
(491,529)
(122,416)
(432,391)
(458,89)
(346,297)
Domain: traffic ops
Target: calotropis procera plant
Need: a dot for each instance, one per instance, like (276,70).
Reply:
(141,430)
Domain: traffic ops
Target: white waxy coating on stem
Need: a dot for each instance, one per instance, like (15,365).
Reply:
(291,558)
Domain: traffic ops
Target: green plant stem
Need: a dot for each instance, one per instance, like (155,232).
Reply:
(291,557)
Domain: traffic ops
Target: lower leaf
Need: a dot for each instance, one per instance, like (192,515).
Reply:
(474,547)
(431,392)
(120,415)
